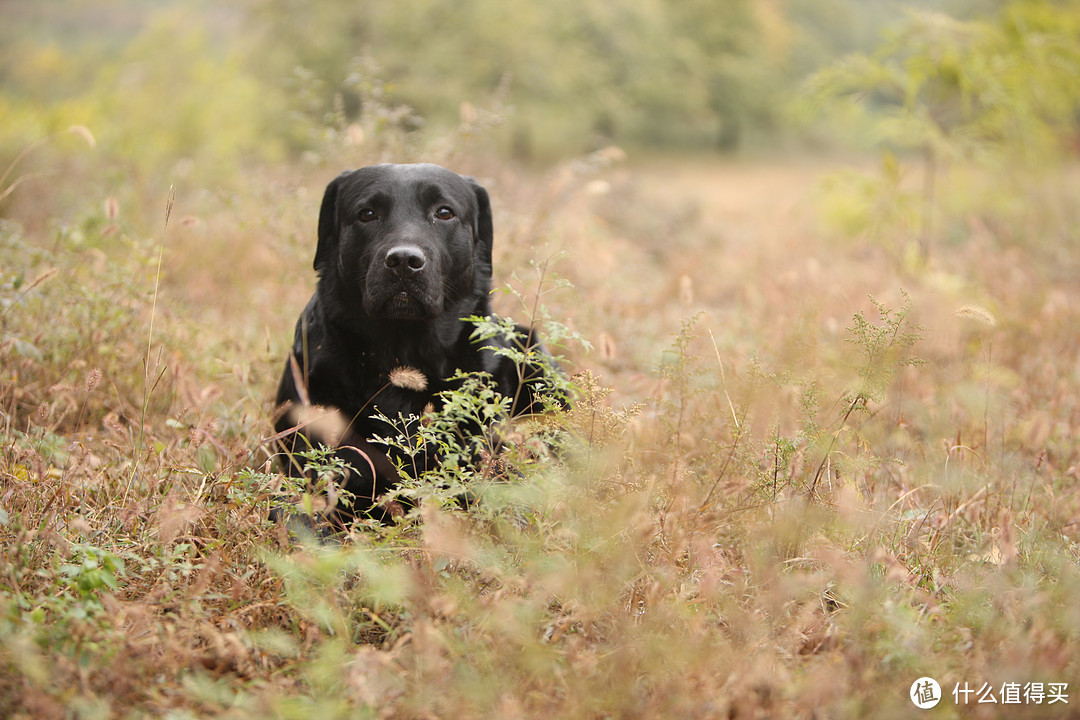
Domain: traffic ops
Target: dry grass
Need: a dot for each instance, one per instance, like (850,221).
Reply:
(758,517)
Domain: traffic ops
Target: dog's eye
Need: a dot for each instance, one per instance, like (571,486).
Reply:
(444,213)
(367,215)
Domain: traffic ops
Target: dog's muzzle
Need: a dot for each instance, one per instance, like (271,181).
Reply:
(405,287)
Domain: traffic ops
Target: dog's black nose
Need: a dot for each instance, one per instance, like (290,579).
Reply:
(405,260)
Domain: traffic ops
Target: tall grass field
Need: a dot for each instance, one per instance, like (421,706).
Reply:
(811,459)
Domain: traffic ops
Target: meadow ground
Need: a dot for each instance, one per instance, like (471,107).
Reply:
(808,464)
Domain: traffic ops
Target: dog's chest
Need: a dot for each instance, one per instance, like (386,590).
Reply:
(363,386)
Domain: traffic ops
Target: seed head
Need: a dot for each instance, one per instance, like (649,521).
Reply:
(408,378)
(977,313)
(320,422)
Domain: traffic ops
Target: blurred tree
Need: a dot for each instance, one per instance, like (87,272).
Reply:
(293,73)
(175,95)
(164,88)
(728,66)
(1002,91)
(651,71)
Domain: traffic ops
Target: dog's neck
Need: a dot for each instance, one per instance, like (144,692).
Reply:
(423,344)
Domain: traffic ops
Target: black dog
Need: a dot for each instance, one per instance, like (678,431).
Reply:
(404,255)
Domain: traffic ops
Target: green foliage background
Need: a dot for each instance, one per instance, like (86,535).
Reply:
(220,83)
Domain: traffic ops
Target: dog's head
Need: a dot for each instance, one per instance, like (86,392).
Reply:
(404,242)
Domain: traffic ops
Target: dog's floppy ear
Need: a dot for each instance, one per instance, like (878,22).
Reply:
(328,223)
(483,228)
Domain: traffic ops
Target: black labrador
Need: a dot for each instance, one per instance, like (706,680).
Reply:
(404,255)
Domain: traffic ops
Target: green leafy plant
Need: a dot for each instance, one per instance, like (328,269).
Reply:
(885,347)
(470,433)
(73,619)
(92,571)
